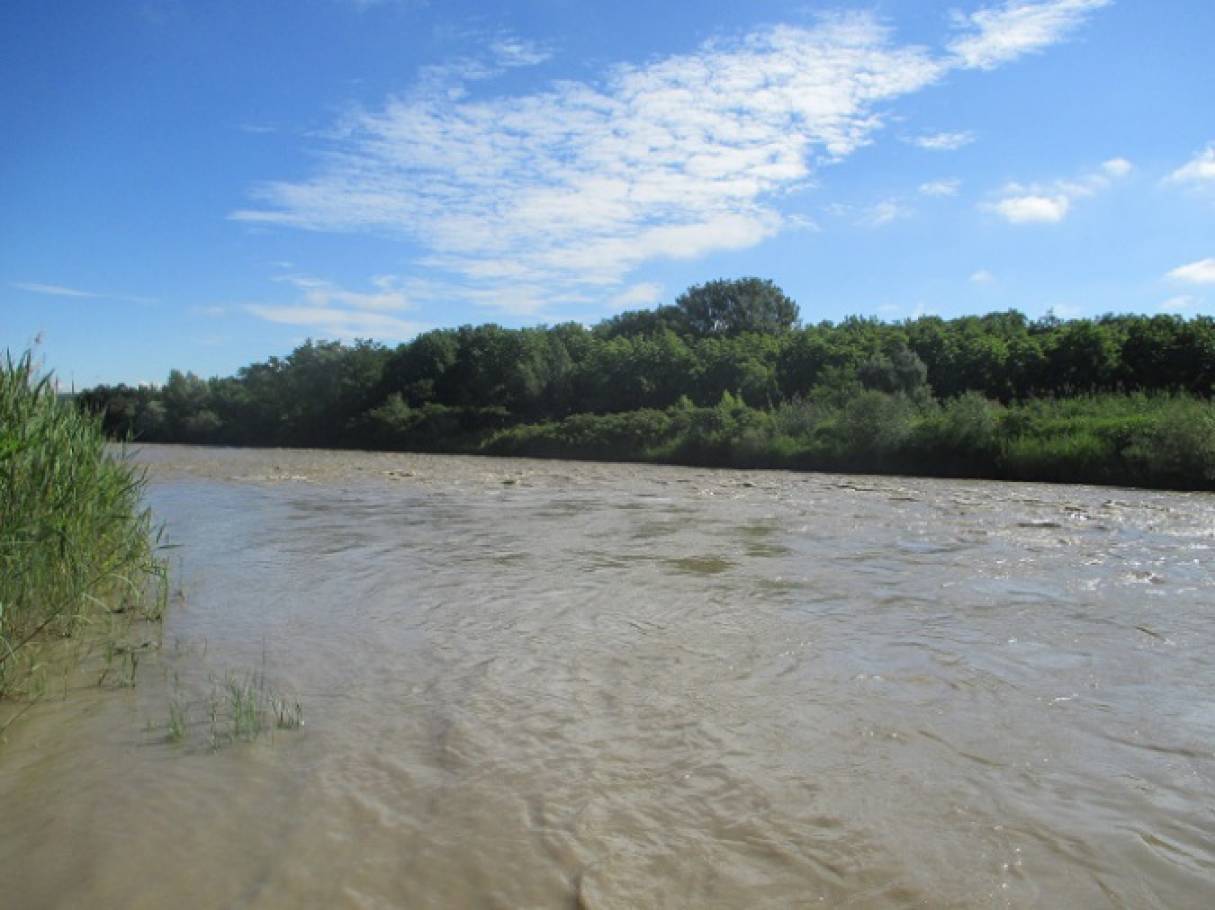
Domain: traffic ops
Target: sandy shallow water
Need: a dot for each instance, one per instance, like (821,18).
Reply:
(556,684)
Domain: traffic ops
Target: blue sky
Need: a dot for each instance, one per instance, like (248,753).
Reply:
(200,185)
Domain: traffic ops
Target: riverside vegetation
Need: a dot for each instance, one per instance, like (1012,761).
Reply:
(80,573)
(728,377)
(239,708)
(79,569)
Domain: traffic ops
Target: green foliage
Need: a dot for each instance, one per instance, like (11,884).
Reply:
(603,436)
(413,371)
(900,371)
(799,417)
(389,424)
(644,322)
(725,434)
(875,423)
(1074,456)
(734,380)
(734,307)
(1179,446)
(960,436)
(76,544)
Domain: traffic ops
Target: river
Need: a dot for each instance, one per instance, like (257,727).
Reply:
(555,684)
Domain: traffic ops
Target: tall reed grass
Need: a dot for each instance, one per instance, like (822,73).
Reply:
(77,546)
(1158,440)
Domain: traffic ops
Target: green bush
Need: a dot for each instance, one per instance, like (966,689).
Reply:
(627,435)
(1179,447)
(1072,457)
(875,425)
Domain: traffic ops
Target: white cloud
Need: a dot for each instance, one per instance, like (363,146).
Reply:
(877,215)
(321,293)
(53,290)
(340,324)
(1180,304)
(946,187)
(211,312)
(982,276)
(532,300)
(510,51)
(1001,34)
(638,295)
(528,200)
(498,53)
(1200,272)
(1199,169)
(943,142)
(335,312)
(885,212)
(1033,209)
(1050,203)
(58,290)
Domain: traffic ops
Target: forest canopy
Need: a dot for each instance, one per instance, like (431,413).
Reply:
(1092,395)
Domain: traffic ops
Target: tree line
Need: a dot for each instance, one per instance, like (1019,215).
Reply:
(739,342)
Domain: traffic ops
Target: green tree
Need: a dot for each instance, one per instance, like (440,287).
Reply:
(414,370)
(731,307)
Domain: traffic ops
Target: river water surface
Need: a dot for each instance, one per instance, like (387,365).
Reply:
(553,684)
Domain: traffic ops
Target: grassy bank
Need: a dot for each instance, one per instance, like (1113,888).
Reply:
(77,556)
(1132,440)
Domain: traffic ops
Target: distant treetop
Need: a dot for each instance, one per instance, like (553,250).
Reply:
(732,307)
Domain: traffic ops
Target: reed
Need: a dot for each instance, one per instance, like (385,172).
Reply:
(239,708)
(78,550)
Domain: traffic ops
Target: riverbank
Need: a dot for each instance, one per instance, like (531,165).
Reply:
(76,541)
(1161,442)
(1135,441)
(1124,400)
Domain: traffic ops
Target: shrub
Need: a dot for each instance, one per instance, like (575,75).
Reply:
(1072,457)
(874,424)
(1179,448)
(970,425)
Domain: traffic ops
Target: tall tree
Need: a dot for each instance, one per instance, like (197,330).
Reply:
(732,307)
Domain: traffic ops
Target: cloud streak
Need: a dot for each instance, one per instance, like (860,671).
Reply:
(645,294)
(995,36)
(883,213)
(52,290)
(1180,304)
(528,200)
(946,187)
(1050,203)
(58,290)
(1200,272)
(335,312)
(509,51)
(943,142)
(340,324)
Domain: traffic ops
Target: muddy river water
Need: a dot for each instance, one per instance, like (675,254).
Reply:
(552,684)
